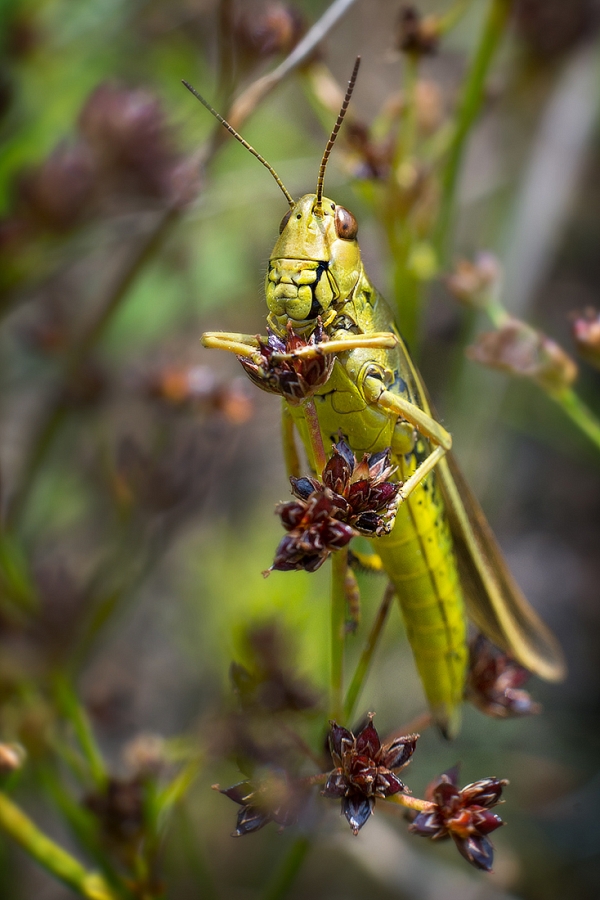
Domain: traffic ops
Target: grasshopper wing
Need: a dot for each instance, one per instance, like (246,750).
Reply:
(495,603)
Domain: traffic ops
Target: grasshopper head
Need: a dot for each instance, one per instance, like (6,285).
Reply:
(315,264)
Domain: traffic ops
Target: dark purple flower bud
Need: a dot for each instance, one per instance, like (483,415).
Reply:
(304,487)
(367,741)
(486,792)
(249,819)
(337,535)
(398,753)
(370,523)
(291,515)
(346,453)
(383,494)
(336,786)
(485,821)
(358,810)
(494,682)
(378,463)
(359,494)
(119,807)
(336,473)
(276,29)
(387,783)
(429,824)
(477,850)
(275,799)
(340,741)
(239,793)
(447,796)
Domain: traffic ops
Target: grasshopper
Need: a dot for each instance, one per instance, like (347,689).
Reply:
(441,555)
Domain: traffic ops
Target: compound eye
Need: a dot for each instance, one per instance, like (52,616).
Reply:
(285,220)
(346,226)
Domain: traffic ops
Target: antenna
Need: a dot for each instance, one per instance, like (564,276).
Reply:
(334,134)
(244,143)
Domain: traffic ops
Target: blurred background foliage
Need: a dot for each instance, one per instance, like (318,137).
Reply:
(138,472)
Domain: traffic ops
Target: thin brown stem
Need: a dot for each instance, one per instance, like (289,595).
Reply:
(314,435)
(469,107)
(316,779)
(302,746)
(417,725)
(247,102)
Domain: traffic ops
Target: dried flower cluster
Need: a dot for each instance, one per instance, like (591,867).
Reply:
(470,282)
(495,683)
(197,388)
(297,378)
(264,33)
(464,815)
(365,769)
(586,334)
(274,799)
(518,349)
(353,498)
(417,35)
(119,809)
(121,157)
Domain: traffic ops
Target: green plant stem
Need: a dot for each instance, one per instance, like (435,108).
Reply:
(286,874)
(195,856)
(567,399)
(579,413)
(49,855)
(411,802)
(468,110)
(82,823)
(314,436)
(405,145)
(339,565)
(72,709)
(364,663)
(449,20)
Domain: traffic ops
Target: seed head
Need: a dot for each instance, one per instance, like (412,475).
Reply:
(294,379)
(495,681)
(275,798)
(520,350)
(464,815)
(353,498)
(417,35)
(365,769)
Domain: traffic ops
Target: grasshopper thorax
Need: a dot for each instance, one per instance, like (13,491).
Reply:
(315,265)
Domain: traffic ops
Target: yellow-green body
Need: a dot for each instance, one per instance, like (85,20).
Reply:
(418,554)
